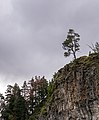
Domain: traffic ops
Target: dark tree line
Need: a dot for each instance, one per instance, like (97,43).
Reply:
(21,103)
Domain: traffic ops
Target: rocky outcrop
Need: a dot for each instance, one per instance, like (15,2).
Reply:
(76,94)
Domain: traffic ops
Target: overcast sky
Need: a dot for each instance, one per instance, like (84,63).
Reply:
(32,32)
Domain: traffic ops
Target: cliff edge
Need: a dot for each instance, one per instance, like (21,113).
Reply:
(76,91)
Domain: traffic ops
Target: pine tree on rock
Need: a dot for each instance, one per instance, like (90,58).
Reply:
(71,45)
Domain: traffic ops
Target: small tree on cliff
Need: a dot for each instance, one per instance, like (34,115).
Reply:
(71,45)
(95,47)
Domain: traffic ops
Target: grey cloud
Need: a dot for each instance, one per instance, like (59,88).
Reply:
(32,32)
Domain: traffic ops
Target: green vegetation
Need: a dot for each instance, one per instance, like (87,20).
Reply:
(25,103)
(71,45)
(43,111)
(15,107)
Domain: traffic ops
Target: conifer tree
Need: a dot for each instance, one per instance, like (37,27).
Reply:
(15,107)
(71,45)
(2,104)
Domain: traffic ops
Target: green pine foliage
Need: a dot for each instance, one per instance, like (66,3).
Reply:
(15,107)
(71,45)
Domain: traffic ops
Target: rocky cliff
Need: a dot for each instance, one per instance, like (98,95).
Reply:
(76,93)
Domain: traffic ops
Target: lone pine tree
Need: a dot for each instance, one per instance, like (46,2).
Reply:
(71,45)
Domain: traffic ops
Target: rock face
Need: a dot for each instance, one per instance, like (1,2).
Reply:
(76,96)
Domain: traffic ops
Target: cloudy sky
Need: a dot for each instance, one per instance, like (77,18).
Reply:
(32,31)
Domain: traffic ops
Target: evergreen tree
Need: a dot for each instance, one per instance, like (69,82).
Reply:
(15,108)
(8,93)
(43,89)
(22,103)
(31,102)
(2,104)
(25,90)
(38,93)
(71,45)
